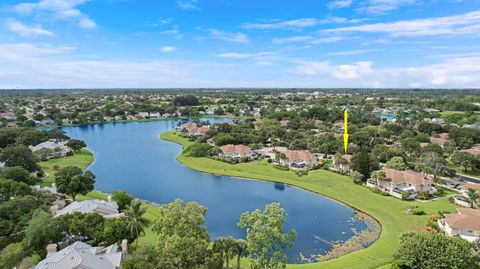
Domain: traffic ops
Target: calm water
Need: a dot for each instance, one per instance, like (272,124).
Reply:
(132,157)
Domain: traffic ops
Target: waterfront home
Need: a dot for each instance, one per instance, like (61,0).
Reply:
(462,199)
(155,115)
(344,165)
(298,159)
(188,125)
(236,152)
(196,131)
(47,122)
(56,148)
(81,255)
(143,114)
(465,224)
(107,209)
(396,182)
(438,121)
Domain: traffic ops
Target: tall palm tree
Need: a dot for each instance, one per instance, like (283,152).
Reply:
(377,175)
(240,248)
(136,221)
(224,246)
(472,197)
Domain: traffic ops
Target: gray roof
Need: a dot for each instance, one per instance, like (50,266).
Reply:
(50,144)
(81,255)
(104,208)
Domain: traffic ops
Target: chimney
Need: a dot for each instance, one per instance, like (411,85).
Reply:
(124,246)
(54,210)
(51,248)
(109,199)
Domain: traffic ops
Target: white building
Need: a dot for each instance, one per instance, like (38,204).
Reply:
(107,209)
(59,149)
(465,224)
(80,255)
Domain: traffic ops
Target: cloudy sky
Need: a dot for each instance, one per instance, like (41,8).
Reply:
(239,43)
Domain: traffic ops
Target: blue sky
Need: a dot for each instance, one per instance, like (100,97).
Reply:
(239,43)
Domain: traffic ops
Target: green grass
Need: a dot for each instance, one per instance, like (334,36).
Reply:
(83,159)
(389,211)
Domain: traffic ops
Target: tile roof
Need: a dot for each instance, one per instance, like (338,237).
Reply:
(407,176)
(104,208)
(299,155)
(242,149)
(467,218)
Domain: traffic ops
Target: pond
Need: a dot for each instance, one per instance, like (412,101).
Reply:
(132,157)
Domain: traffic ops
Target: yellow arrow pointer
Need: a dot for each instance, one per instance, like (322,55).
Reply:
(345,130)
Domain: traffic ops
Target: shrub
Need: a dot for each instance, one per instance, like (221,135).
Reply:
(198,150)
(281,167)
(301,173)
(418,211)
(269,160)
(405,195)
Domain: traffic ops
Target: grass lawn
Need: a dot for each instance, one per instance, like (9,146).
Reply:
(83,159)
(389,211)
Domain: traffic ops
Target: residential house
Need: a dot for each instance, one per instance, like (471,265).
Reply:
(345,166)
(143,114)
(396,182)
(298,159)
(196,131)
(465,224)
(440,140)
(107,209)
(474,150)
(155,115)
(58,148)
(338,127)
(80,255)
(284,123)
(46,122)
(236,152)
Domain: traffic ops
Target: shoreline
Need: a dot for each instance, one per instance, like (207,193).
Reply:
(351,245)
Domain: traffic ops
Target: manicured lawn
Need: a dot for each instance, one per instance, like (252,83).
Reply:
(389,211)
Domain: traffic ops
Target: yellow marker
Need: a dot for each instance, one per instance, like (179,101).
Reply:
(345,130)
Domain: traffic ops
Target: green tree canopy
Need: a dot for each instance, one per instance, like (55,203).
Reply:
(72,181)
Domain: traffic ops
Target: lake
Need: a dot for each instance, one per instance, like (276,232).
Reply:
(132,157)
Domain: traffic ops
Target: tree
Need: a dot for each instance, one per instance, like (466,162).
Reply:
(224,246)
(136,219)
(183,241)
(10,189)
(240,249)
(436,165)
(122,198)
(396,163)
(364,163)
(19,156)
(71,180)
(464,159)
(198,150)
(40,231)
(76,145)
(378,174)
(434,251)
(472,197)
(266,241)
(18,174)
(357,177)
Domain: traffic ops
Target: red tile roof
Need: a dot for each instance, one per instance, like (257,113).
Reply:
(467,218)
(407,176)
(241,149)
(299,155)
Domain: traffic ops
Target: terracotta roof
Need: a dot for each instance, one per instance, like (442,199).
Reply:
(467,218)
(438,140)
(423,144)
(299,155)
(348,158)
(198,130)
(242,149)
(284,122)
(471,186)
(407,176)
(189,125)
(475,150)
(443,135)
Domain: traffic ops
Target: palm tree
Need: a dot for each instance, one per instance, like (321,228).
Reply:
(136,221)
(377,175)
(224,246)
(472,197)
(240,248)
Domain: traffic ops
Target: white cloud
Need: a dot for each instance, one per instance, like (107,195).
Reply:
(296,24)
(87,23)
(25,31)
(324,40)
(234,55)
(188,4)
(227,36)
(350,52)
(379,7)
(339,4)
(292,39)
(451,73)
(465,24)
(58,9)
(167,49)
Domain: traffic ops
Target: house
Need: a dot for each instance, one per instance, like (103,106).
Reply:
(345,166)
(465,224)
(81,255)
(438,121)
(396,182)
(284,123)
(464,192)
(47,122)
(210,111)
(155,115)
(107,209)
(338,127)
(236,152)
(298,159)
(440,140)
(474,150)
(143,114)
(58,148)
(196,131)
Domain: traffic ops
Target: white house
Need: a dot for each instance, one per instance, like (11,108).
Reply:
(59,149)
(80,255)
(107,209)
(465,224)
(396,182)
(236,151)
(298,159)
